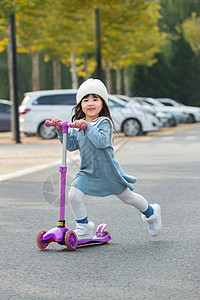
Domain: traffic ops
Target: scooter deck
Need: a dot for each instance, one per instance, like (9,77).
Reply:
(95,240)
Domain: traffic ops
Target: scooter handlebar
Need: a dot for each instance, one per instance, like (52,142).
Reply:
(83,126)
(48,123)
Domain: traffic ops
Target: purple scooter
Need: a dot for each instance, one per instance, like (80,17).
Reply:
(61,234)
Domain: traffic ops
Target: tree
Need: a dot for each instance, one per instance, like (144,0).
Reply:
(27,39)
(191,31)
(175,74)
(174,13)
(154,81)
(8,12)
(122,43)
(64,31)
(30,25)
(133,39)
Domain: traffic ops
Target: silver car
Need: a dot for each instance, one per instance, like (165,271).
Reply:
(178,116)
(164,118)
(5,115)
(192,111)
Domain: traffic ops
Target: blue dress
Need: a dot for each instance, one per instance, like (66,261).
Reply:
(100,173)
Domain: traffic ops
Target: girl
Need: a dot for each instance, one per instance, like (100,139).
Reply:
(100,174)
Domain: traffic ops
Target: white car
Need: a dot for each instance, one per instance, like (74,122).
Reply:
(130,120)
(164,117)
(194,112)
(179,117)
(41,105)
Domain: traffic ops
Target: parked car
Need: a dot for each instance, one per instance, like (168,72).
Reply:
(194,112)
(41,105)
(130,120)
(5,115)
(165,119)
(178,116)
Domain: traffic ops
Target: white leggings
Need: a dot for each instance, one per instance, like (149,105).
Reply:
(129,197)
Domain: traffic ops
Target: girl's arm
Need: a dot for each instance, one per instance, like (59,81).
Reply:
(72,143)
(100,135)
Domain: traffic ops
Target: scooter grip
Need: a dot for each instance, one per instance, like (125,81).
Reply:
(83,126)
(48,123)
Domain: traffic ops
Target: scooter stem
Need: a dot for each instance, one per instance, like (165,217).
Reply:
(63,171)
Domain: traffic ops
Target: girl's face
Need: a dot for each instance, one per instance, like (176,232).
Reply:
(91,106)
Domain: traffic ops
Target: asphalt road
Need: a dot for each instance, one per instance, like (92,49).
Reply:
(133,265)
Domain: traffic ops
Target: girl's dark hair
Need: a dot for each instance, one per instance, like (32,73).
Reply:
(79,114)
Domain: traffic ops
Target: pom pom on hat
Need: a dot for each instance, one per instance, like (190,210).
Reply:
(92,86)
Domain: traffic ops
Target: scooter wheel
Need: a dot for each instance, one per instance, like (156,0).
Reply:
(71,240)
(42,245)
(106,233)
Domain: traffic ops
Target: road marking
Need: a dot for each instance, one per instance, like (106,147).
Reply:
(190,138)
(37,168)
(29,171)
(167,138)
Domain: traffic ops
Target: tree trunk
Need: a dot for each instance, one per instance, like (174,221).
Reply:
(86,68)
(73,71)
(118,80)
(56,74)
(10,75)
(10,62)
(13,79)
(35,72)
(108,78)
(126,81)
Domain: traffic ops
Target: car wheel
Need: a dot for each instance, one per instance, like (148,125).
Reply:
(172,122)
(29,134)
(131,127)
(191,119)
(46,133)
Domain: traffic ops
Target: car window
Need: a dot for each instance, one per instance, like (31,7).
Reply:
(149,103)
(25,100)
(155,103)
(167,103)
(62,99)
(115,104)
(4,108)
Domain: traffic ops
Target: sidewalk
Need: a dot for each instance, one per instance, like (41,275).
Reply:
(34,154)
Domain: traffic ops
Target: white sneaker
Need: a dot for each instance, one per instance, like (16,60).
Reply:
(154,222)
(84,231)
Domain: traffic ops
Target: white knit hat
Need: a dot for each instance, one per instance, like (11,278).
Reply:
(92,86)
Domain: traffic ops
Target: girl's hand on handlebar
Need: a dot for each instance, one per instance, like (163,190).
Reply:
(55,121)
(78,123)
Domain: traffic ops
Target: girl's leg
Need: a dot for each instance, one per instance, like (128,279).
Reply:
(84,229)
(134,199)
(151,213)
(77,206)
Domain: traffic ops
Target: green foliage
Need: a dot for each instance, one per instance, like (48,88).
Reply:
(130,37)
(191,31)
(181,63)
(175,77)
(175,12)
(192,84)
(24,74)
(176,73)
(4,83)
(153,81)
